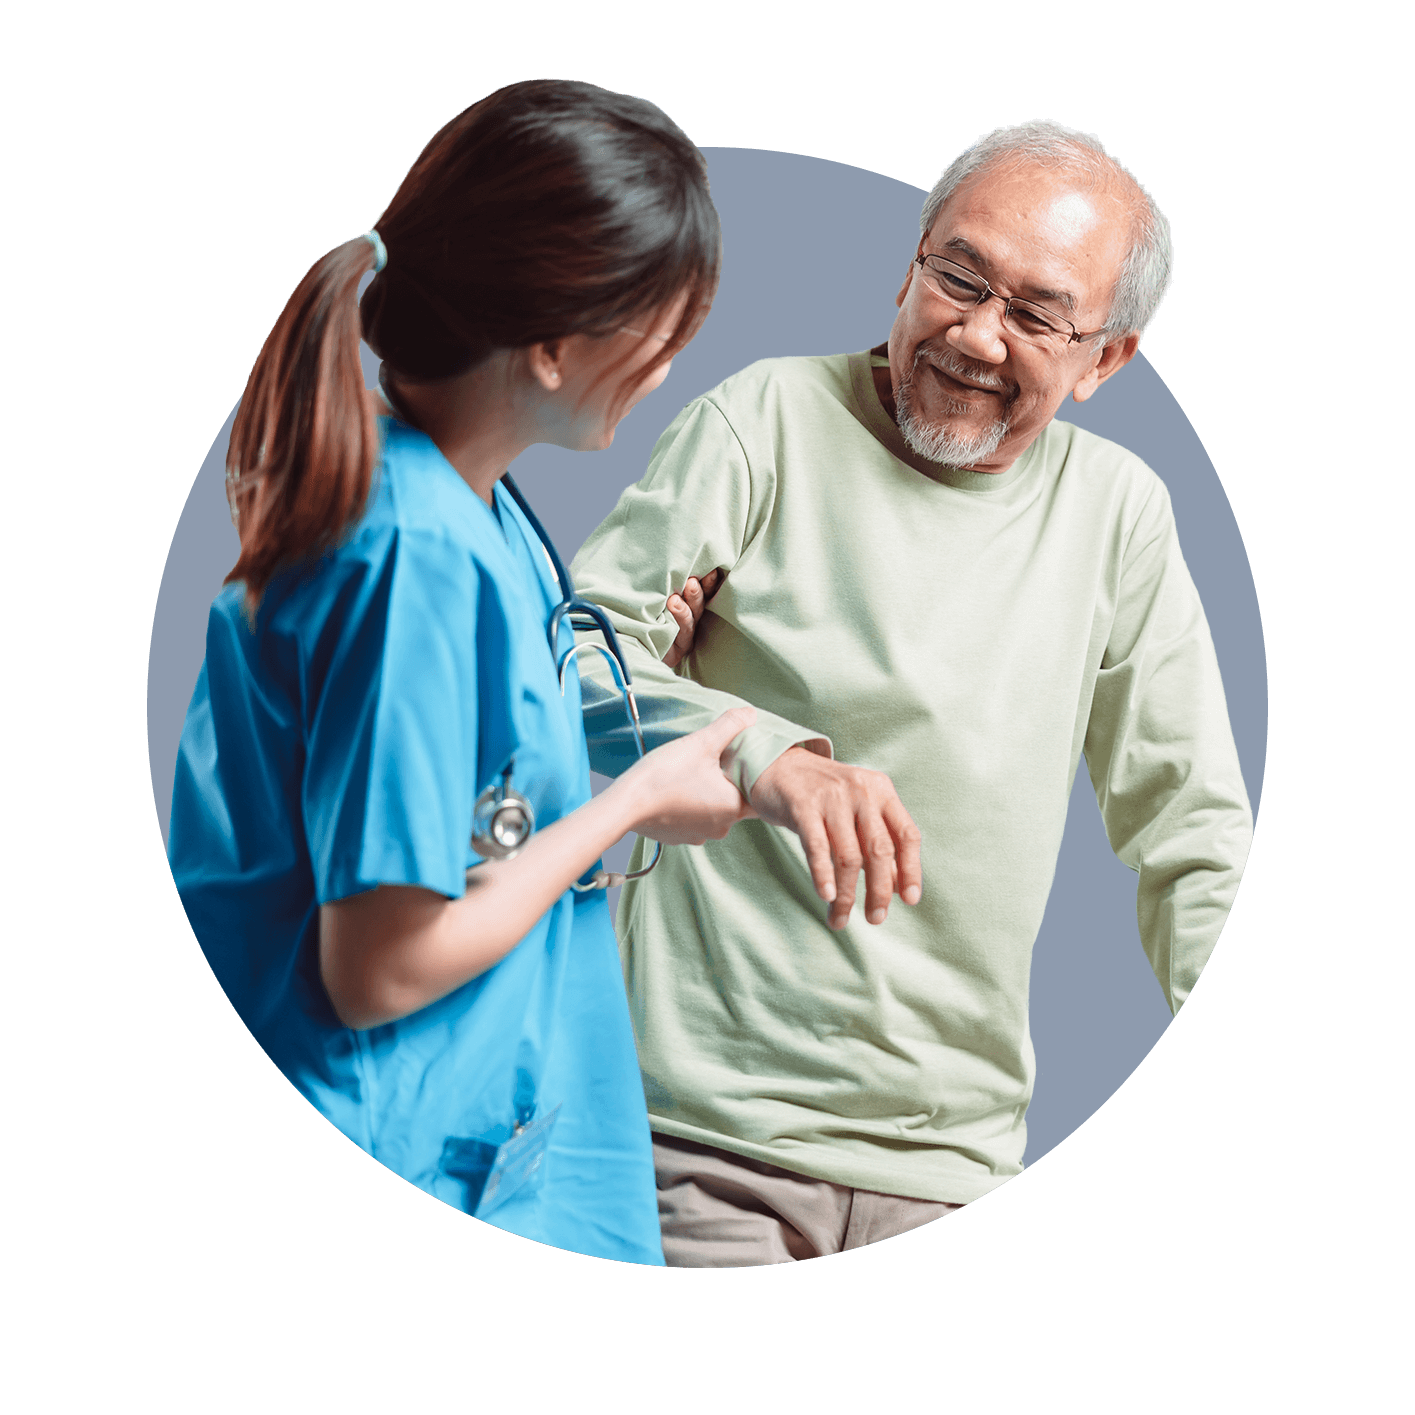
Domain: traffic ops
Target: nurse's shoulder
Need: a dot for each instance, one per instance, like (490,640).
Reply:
(417,490)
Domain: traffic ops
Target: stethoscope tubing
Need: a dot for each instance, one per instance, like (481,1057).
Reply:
(571,604)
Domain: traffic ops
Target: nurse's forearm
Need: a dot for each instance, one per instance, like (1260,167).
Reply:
(389,952)
(393,950)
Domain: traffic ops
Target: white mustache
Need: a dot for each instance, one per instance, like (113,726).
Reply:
(965,373)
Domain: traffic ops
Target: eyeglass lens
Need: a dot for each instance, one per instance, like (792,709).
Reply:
(961,287)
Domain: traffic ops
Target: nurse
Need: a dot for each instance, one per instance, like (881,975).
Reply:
(379,660)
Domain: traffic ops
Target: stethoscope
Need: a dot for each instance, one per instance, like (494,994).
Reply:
(502,818)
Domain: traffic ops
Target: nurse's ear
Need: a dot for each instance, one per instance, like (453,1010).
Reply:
(547,363)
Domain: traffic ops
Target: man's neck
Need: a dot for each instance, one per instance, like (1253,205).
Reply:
(884,381)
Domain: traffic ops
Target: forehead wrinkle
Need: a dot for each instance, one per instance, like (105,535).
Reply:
(1030,292)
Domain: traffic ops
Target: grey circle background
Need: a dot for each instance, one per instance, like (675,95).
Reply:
(814,253)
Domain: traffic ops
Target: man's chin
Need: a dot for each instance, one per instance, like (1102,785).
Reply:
(937,442)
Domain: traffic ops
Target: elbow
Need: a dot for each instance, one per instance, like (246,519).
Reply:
(361,1008)
(368,945)
(360,1013)
(387,953)
(363,995)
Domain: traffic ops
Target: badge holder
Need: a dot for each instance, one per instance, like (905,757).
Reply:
(517,1163)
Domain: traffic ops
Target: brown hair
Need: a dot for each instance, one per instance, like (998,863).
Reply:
(548,209)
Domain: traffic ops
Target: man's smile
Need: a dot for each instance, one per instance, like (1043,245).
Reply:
(957,377)
(957,385)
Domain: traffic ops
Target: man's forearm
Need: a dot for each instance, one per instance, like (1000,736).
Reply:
(671,706)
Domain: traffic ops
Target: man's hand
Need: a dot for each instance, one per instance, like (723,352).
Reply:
(847,817)
(687,607)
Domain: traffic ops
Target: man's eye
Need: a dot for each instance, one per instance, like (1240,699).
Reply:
(956,285)
(1033,321)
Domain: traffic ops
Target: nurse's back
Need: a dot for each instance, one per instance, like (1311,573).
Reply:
(380,660)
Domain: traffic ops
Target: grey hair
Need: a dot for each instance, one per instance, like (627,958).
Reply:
(1144,276)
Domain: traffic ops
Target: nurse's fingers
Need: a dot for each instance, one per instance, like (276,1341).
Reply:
(687,608)
(716,735)
(687,627)
(684,796)
(711,583)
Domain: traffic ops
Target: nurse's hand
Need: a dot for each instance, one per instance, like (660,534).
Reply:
(389,951)
(678,793)
(687,608)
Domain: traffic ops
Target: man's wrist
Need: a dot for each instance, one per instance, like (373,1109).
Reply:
(817,746)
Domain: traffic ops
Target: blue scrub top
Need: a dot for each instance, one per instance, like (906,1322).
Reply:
(340,745)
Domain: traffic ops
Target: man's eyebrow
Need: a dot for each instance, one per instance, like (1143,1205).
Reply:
(1030,292)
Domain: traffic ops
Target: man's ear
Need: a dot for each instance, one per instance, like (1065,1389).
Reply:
(1113,358)
(904,288)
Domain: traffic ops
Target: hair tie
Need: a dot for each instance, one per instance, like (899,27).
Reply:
(380,251)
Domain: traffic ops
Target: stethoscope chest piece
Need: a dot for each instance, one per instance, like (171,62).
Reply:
(502,820)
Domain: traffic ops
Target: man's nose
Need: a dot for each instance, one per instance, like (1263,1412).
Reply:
(978,332)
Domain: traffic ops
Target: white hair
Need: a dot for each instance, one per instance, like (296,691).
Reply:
(1144,274)
(937,442)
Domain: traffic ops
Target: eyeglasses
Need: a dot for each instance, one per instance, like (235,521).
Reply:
(1033,324)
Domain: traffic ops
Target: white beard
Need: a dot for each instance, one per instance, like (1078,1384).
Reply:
(936,442)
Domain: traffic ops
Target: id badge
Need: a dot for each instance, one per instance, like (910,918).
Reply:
(517,1163)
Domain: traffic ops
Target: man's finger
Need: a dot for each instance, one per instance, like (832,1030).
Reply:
(816,843)
(847,859)
(908,843)
(712,582)
(877,846)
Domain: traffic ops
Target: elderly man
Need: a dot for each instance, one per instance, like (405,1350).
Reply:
(960,595)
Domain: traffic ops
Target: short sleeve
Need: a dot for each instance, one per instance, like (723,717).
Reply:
(389,775)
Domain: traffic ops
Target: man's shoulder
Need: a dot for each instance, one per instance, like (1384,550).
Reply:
(1074,450)
(777,381)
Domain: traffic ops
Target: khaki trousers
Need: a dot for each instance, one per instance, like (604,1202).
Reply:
(720,1210)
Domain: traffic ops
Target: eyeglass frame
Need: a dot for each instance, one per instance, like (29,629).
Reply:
(988,293)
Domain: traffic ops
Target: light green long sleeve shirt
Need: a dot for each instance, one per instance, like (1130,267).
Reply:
(970,635)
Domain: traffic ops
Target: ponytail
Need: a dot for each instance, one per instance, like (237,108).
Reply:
(304,443)
(546,210)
